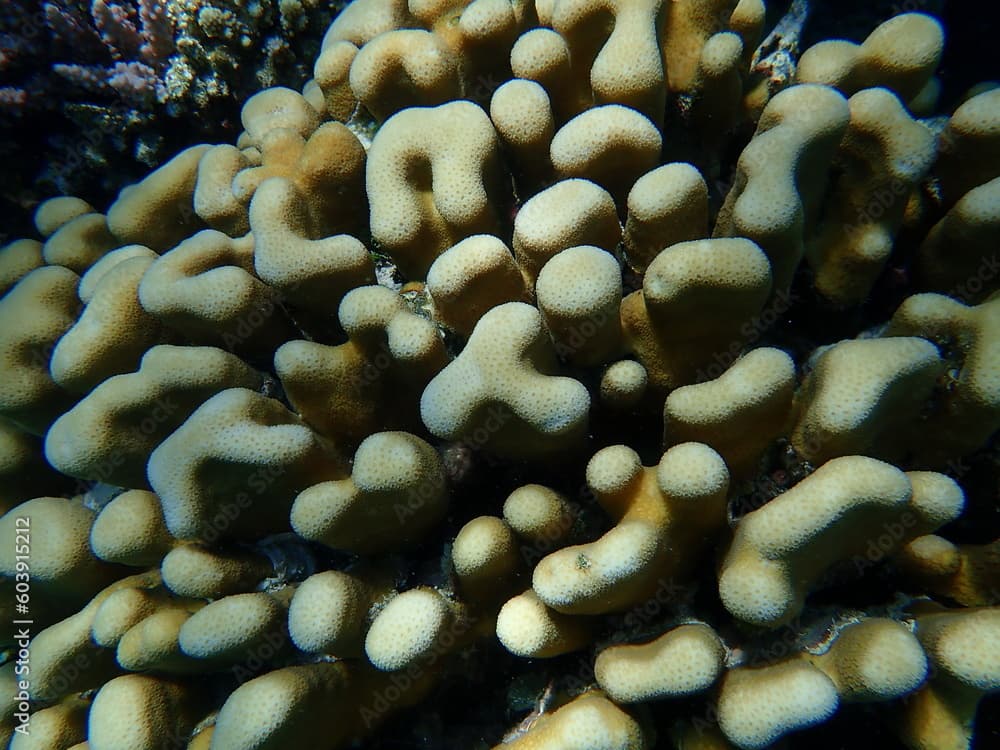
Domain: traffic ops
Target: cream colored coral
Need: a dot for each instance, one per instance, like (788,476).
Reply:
(55,212)
(481,37)
(758,706)
(863,396)
(876,659)
(153,643)
(312,271)
(970,146)
(80,242)
(361,21)
(929,557)
(937,500)
(539,515)
(58,651)
(666,205)
(731,272)
(692,23)
(17,260)
(112,334)
(627,64)
(883,156)
(472,277)
(410,630)
(61,565)
(589,721)
(611,145)
(966,573)
(58,726)
(237,470)
(130,530)
(658,511)
(567,214)
(965,645)
(266,713)
(233,468)
(900,54)
(44,302)
(199,572)
(433,178)
(683,661)
(158,211)
(781,549)
(486,558)
(110,434)
(781,175)
(739,413)
(623,384)
(522,114)
(501,391)
(964,648)
(531,630)
(214,200)
(206,289)
(24,472)
(404,68)
(331,74)
(718,109)
(579,291)
(395,493)
(123,610)
(542,55)
(970,411)
(696,300)
(371,382)
(96,273)
(327,170)
(229,629)
(277,108)
(137,712)
(327,613)
(958,256)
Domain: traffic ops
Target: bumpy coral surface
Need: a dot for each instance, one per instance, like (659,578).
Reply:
(545,374)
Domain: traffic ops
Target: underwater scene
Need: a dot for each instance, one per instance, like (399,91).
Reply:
(499,375)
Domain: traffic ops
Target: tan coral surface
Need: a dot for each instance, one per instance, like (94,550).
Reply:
(541,375)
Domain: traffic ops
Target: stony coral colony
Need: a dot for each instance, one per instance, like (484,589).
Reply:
(487,367)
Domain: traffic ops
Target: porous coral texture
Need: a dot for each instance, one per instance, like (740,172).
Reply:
(540,375)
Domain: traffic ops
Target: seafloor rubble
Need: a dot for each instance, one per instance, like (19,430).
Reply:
(562,375)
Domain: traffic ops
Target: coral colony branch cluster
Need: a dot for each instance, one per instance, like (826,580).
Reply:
(540,370)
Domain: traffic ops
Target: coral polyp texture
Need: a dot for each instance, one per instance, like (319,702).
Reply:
(540,374)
